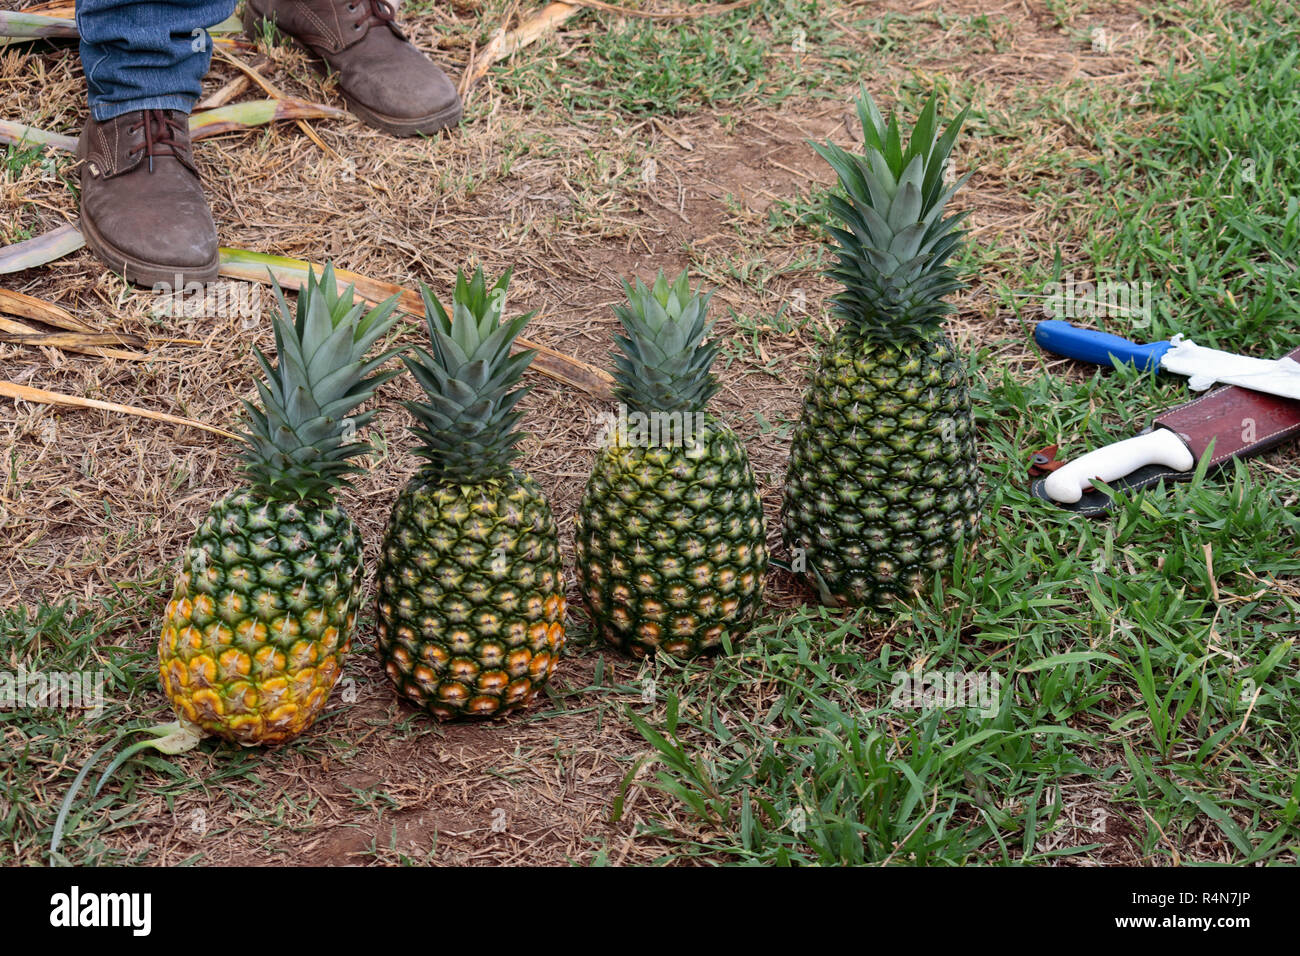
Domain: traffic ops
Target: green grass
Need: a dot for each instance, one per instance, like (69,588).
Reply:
(764,54)
(13,162)
(1130,672)
(43,745)
(18,158)
(1205,205)
(644,68)
(1117,665)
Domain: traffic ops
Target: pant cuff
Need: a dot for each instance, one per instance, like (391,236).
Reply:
(107,111)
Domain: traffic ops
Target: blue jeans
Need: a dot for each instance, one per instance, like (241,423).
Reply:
(146,54)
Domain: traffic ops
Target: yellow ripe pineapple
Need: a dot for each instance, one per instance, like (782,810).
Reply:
(261,618)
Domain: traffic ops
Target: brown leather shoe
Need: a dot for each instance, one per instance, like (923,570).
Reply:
(142,207)
(386,81)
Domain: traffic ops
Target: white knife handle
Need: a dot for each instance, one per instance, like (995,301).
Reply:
(1160,447)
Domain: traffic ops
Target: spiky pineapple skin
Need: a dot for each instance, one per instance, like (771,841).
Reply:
(261,617)
(670,545)
(882,486)
(471,596)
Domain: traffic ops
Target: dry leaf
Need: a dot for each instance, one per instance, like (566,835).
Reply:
(504,44)
(39,250)
(55,8)
(44,397)
(98,344)
(30,307)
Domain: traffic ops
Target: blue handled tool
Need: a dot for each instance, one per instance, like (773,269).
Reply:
(1202,366)
(1099,348)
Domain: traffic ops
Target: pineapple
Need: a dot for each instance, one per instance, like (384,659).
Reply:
(261,618)
(671,550)
(882,486)
(471,590)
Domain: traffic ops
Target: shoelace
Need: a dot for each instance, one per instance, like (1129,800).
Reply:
(159,134)
(373,13)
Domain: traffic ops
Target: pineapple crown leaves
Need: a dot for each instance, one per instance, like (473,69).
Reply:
(895,242)
(467,422)
(662,365)
(298,441)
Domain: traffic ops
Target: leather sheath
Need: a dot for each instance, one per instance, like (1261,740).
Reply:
(1239,421)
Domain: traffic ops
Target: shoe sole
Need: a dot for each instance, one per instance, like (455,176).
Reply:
(396,125)
(139,271)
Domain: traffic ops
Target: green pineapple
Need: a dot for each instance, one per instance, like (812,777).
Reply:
(883,482)
(670,545)
(471,590)
(261,618)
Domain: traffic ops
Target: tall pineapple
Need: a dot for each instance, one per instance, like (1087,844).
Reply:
(261,618)
(882,485)
(471,590)
(670,545)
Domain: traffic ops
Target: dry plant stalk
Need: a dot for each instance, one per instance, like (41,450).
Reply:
(29,26)
(275,92)
(95,343)
(504,44)
(82,339)
(224,95)
(698,10)
(30,307)
(42,396)
(20,134)
(64,9)
(292,273)
(41,249)
(253,113)
(213,122)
